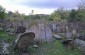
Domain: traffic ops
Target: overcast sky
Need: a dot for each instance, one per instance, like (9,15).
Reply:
(39,6)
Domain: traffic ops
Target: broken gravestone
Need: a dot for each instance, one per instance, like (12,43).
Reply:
(24,40)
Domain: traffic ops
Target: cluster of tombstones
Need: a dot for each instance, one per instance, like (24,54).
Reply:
(25,38)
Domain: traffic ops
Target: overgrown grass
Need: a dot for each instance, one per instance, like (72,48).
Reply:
(44,48)
(55,48)
(81,32)
(8,38)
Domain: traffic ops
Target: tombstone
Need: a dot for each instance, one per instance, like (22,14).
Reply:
(81,37)
(20,29)
(24,40)
(57,37)
(80,44)
(54,27)
(42,32)
(68,33)
(2,24)
(74,31)
(8,24)
(15,24)
(58,28)
(25,23)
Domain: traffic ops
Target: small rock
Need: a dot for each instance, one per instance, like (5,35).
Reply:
(35,46)
(80,44)
(5,48)
(57,36)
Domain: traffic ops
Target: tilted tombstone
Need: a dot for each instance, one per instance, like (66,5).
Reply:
(24,40)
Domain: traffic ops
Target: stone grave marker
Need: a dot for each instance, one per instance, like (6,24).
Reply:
(20,29)
(24,40)
(42,32)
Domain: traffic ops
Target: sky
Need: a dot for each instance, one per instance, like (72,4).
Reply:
(39,6)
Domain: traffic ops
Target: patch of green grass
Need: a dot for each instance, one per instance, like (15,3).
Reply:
(44,48)
(82,32)
(4,36)
(10,39)
(55,48)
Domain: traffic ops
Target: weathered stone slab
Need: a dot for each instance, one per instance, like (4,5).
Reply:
(80,44)
(8,24)
(42,32)
(5,47)
(21,29)
(68,35)
(55,27)
(57,36)
(24,40)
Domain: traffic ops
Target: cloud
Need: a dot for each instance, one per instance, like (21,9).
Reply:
(39,6)
(47,3)
(10,5)
(51,3)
